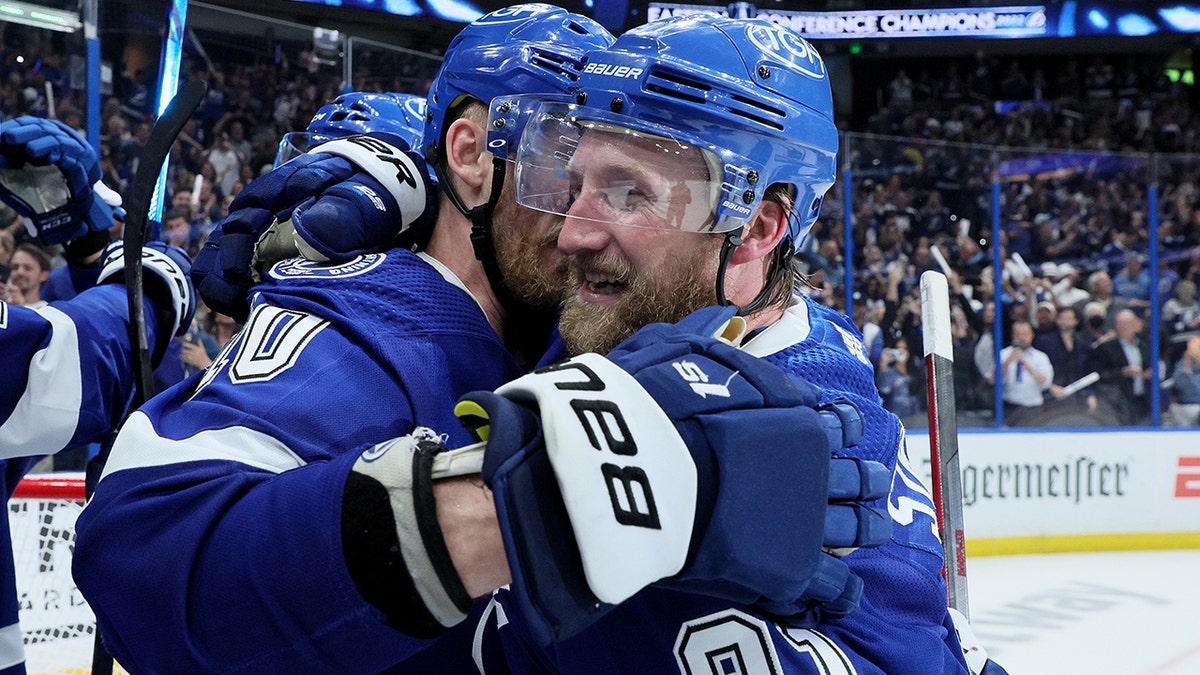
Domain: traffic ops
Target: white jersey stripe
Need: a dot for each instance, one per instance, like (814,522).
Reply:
(45,418)
(139,446)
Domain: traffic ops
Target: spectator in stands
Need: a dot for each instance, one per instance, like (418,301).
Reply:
(198,348)
(1181,313)
(971,391)
(222,326)
(1100,290)
(30,270)
(1065,349)
(1044,319)
(1064,279)
(1027,371)
(1117,253)
(900,91)
(237,137)
(1019,232)
(226,162)
(867,318)
(177,231)
(1123,362)
(1185,404)
(181,202)
(971,260)
(1132,285)
(895,382)
(8,244)
(827,258)
(934,217)
(1180,317)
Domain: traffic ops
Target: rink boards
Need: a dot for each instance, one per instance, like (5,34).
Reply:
(1041,491)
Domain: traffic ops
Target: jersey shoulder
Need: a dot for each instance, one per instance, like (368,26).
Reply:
(395,291)
(827,350)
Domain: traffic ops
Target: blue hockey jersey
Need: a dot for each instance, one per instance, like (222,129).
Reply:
(68,374)
(223,496)
(902,627)
(67,380)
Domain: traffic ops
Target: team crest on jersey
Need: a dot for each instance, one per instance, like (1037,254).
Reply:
(853,344)
(295,268)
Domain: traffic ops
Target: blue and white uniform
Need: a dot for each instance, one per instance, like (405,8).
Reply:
(226,493)
(77,378)
(74,388)
(901,627)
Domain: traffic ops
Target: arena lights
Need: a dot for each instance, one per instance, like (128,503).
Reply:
(39,17)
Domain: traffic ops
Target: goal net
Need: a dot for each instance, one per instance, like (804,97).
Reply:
(58,627)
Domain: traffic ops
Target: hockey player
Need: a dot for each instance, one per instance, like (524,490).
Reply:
(67,376)
(333,202)
(690,165)
(257,480)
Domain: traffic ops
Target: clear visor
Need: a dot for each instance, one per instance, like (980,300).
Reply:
(598,168)
(292,145)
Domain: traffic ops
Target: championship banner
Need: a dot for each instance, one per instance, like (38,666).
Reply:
(1073,19)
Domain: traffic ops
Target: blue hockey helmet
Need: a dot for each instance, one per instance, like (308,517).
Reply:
(400,115)
(530,48)
(366,112)
(749,96)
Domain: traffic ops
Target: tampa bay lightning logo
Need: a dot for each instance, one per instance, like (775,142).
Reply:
(512,14)
(789,48)
(295,268)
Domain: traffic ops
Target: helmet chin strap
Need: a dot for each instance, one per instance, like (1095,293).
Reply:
(525,328)
(481,226)
(733,239)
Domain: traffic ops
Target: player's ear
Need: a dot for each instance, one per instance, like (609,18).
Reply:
(763,233)
(466,154)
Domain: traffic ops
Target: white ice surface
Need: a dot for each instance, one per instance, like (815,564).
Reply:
(1116,613)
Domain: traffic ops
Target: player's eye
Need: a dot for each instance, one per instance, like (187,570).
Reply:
(627,196)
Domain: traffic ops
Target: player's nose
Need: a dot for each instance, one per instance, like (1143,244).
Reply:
(583,233)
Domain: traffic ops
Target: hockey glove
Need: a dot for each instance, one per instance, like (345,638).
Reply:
(51,177)
(165,275)
(350,196)
(678,459)
(391,537)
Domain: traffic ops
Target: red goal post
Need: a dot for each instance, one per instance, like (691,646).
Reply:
(57,626)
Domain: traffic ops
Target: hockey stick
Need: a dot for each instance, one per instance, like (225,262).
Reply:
(137,222)
(162,137)
(943,433)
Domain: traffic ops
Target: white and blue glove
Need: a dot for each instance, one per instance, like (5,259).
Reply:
(681,461)
(51,177)
(347,197)
(167,285)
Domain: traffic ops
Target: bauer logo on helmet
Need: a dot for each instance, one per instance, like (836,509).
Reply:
(612,70)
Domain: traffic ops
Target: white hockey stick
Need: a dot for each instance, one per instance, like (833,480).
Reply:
(943,433)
